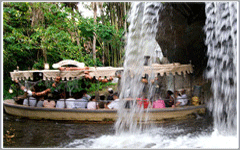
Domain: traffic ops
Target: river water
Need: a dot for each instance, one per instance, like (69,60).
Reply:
(192,132)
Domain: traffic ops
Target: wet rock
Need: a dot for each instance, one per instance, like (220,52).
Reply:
(181,35)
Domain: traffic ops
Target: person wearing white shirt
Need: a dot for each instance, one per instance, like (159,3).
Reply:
(182,99)
(115,103)
(85,95)
(93,104)
(80,102)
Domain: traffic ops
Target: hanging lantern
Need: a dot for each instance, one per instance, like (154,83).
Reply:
(110,78)
(46,66)
(10,90)
(104,80)
(99,78)
(144,80)
(90,77)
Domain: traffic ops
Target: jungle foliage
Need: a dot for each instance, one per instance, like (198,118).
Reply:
(38,32)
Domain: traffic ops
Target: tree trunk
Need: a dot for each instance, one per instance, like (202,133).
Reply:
(125,20)
(94,36)
(108,55)
(102,17)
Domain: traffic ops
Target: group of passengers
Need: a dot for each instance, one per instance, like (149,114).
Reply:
(84,101)
(79,100)
(179,96)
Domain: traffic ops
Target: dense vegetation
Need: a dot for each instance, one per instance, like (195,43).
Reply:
(38,32)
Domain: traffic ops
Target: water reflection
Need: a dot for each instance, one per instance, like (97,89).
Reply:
(49,134)
(46,133)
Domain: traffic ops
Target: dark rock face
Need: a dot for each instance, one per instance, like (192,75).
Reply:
(181,35)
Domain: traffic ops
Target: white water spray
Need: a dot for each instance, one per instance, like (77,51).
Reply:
(221,39)
(140,42)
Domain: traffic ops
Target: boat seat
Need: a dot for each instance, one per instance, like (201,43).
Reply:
(40,104)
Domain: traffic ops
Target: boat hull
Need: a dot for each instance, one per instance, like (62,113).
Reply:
(93,115)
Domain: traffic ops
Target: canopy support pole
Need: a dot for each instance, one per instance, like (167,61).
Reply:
(17,90)
(183,80)
(97,91)
(191,87)
(65,105)
(174,88)
(28,101)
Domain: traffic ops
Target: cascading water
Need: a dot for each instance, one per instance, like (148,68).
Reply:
(221,39)
(140,42)
(221,31)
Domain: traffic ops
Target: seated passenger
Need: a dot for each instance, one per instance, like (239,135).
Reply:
(19,100)
(182,99)
(32,101)
(115,103)
(143,101)
(49,103)
(169,99)
(60,102)
(93,104)
(110,96)
(158,104)
(80,102)
(70,103)
(85,95)
(102,97)
(40,101)
(102,105)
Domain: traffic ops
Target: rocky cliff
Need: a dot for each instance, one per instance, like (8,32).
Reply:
(180,34)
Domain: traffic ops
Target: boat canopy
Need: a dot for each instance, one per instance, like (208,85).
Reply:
(157,69)
(167,69)
(68,75)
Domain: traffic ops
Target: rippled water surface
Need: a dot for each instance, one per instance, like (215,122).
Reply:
(42,133)
(192,132)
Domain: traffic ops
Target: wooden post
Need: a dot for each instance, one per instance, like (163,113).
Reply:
(183,79)
(191,74)
(97,91)
(174,88)
(28,101)
(17,91)
(191,88)
(97,95)
(65,105)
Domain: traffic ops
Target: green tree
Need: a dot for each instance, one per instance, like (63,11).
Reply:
(38,32)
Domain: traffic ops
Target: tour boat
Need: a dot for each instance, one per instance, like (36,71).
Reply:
(155,114)
(100,73)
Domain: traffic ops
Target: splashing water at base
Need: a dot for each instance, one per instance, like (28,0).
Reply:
(159,138)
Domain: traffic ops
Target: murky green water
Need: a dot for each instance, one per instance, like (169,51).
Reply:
(46,133)
(22,132)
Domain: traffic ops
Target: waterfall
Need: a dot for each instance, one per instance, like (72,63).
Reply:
(221,40)
(194,133)
(143,20)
